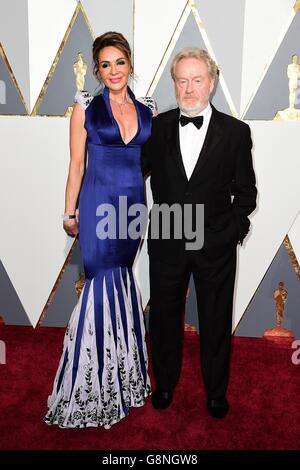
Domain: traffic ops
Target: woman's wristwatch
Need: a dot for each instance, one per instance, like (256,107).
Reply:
(68,216)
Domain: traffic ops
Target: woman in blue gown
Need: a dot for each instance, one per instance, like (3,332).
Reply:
(103,367)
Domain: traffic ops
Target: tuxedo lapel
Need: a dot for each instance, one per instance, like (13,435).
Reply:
(212,138)
(173,143)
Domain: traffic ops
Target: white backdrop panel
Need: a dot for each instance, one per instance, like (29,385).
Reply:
(277,168)
(33,175)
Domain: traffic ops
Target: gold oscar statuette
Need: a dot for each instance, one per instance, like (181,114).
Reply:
(280,296)
(80,68)
(297,5)
(291,113)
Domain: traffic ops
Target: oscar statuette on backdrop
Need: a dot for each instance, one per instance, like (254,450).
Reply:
(278,332)
(80,69)
(291,113)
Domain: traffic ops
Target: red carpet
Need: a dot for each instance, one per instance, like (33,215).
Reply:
(264,397)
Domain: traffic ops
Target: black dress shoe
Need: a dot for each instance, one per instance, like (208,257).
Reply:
(161,399)
(218,407)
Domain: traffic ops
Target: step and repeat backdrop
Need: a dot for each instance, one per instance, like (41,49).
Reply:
(256,46)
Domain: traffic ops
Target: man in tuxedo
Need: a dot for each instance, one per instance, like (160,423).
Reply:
(197,155)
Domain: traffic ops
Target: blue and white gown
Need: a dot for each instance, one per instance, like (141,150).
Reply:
(103,367)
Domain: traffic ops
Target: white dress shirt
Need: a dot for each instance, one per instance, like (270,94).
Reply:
(191,140)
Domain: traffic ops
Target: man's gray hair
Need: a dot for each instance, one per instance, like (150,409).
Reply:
(197,53)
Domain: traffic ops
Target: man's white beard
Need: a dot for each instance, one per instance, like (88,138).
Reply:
(193,110)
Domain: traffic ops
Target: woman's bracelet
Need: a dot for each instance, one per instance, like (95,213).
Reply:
(68,216)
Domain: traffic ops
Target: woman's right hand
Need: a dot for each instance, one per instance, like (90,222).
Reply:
(71,226)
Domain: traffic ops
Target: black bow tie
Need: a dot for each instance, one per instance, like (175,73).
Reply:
(197,120)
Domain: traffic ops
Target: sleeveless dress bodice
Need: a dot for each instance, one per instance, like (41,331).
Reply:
(113,171)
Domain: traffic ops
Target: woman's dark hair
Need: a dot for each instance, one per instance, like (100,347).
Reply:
(113,39)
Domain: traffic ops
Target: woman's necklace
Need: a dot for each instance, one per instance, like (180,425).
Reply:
(121,104)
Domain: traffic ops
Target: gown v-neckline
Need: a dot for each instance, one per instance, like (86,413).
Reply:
(107,100)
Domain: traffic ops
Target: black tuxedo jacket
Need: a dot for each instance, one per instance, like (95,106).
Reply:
(223,180)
